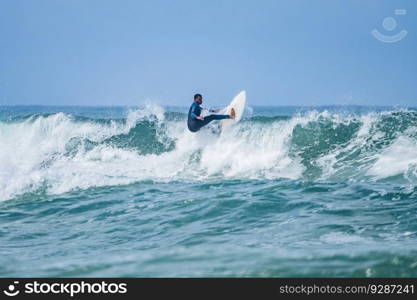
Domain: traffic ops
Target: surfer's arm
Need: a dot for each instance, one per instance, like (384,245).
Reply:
(214,110)
(195,117)
(193,114)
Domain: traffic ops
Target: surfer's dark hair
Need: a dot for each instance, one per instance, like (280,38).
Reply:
(196,96)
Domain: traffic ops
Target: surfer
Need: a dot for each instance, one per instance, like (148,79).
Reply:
(196,121)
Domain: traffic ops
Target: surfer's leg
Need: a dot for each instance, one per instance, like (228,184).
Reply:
(217,117)
(197,124)
(210,118)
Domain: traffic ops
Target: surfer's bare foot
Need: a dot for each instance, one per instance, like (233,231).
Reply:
(232,113)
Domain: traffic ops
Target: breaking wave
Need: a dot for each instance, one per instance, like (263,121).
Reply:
(56,153)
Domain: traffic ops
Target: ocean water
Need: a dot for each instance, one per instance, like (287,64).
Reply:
(326,191)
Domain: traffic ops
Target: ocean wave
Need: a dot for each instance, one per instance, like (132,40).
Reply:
(60,152)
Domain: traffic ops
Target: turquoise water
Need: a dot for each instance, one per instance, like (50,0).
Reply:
(328,191)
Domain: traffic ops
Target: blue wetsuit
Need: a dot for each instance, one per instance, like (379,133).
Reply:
(195,124)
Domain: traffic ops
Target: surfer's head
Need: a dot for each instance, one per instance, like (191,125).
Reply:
(198,98)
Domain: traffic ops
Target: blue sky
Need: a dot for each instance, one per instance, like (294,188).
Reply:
(293,52)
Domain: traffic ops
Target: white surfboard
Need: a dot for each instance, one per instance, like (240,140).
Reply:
(238,104)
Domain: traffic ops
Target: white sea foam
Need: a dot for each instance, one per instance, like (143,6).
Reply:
(32,151)
(335,161)
(399,158)
(340,238)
